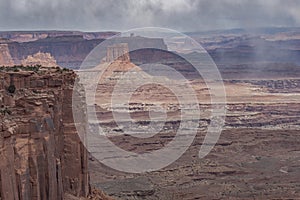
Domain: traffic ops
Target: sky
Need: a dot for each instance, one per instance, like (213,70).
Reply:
(121,15)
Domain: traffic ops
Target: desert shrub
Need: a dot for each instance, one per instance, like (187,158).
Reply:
(11,89)
(66,69)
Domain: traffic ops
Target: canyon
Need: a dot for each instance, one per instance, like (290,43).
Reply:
(256,156)
(232,50)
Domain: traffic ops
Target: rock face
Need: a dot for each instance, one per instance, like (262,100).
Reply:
(28,36)
(118,52)
(41,154)
(5,57)
(69,50)
(44,59)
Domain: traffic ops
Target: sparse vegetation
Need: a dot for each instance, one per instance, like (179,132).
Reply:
(18,68)
(61,70)
(66,69)
(33,68)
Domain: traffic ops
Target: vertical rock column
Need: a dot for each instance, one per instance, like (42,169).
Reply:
(75,155)
(41,154)
(118,52)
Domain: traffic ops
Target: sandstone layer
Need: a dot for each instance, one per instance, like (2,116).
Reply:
(43,59)
(5,57)
(41,154)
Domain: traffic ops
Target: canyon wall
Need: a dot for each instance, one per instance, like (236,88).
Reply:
(5,57)
(27,36)
(41,154)
(68,50)
(118,51)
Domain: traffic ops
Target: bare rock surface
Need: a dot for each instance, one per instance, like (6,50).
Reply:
(41,154)
(43,59)
(5,57)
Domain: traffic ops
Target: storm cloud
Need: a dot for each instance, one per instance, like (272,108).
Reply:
(183,15)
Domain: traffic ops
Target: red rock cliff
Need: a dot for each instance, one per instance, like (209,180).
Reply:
(41,154)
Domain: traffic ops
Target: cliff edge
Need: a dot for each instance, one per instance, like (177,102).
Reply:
(41,154)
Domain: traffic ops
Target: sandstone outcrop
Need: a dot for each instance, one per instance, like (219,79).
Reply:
(43,59)
(41,154)
(5,57)
(118,52)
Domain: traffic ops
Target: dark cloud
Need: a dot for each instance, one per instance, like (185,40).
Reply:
(184,15)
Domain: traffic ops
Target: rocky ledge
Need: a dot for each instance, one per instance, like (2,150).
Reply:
(41,154)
